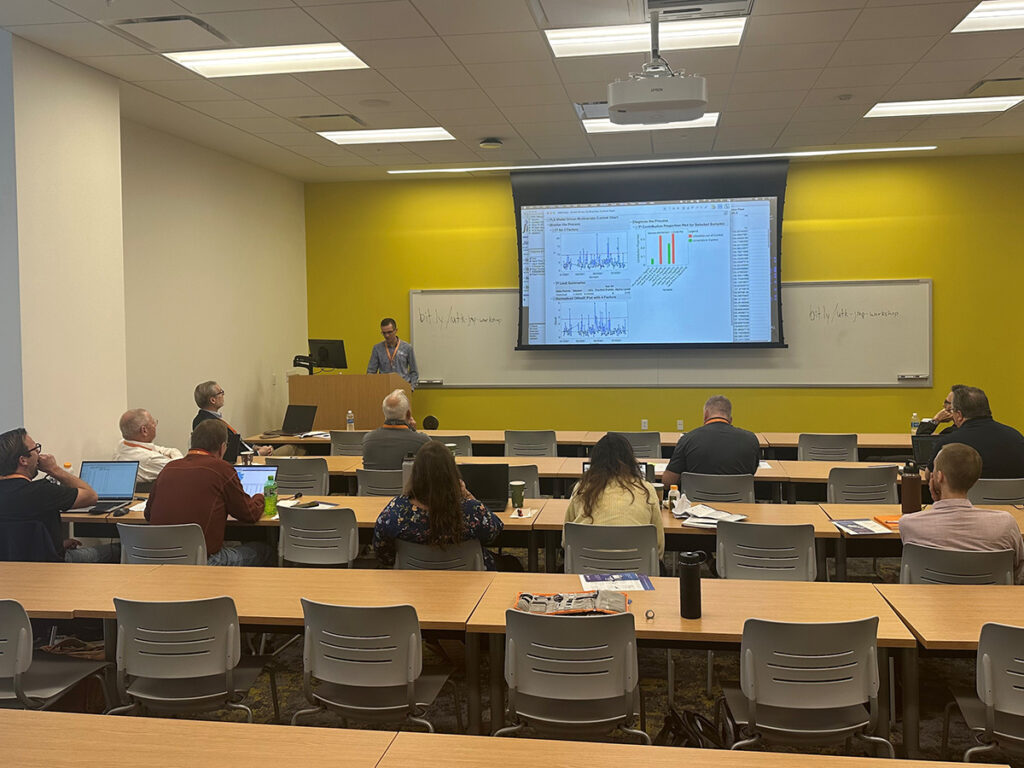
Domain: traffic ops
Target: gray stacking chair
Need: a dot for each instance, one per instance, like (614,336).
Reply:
(35,681)
(307,476)
(463,443)
(379,482)
(995,712)
(464,556)
(519,442)
(991,490)
(862,485)
(766,552)
(803,684)
(162,544)
(817,447)
(609,548)
(530,475)
(646,445)
(717,489)
(572,675)
(368,663)
(929,565)
(318,536)
(345,443)
(184,656)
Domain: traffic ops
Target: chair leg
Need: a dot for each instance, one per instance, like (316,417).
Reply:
(122,710)
(671,679)
(244,708)
(103,685)
(879,741)
(644,738)
(304,712)
(978,750)
(746,742)
(422,721)
(711,670)
(457,699)
(273,694)
(946,714)
(509,730)
(643,711)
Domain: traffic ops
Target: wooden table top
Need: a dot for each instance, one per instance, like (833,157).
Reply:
(817,471)
(478,436)
(886,440)
(950,617)
(668,439)
(547,466)
(436,750)
(727,603)
(64,740)
(861,511)
(59,590)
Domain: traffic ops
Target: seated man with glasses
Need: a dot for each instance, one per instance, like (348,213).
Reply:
(945,416)
(138,430)
(22,498)
(209,396)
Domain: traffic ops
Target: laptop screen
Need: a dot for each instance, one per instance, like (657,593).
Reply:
(112,480)
(254,478)
(924,447)
(299,418)
(488,483)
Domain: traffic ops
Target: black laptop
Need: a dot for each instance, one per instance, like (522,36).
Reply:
(924,448)
(298,419)
(488,483)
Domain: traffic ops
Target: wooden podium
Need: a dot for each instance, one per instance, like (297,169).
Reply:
(336,394)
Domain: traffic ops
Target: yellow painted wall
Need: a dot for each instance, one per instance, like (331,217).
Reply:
(957,220)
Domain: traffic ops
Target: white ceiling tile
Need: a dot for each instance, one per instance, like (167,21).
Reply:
(372,21)
(215,6)
(813,133)
(896,50)
(703,61)
(567,153)
(594,13)
(797,56)
(366,103)
(446,152)
(825,97)
(766,7)
(514,155)
(429,78)
(499,46)
(472,116)
(471,134)
(851,77)
(101,10)
(308,140)
(683,142)
(765,133)
(33,12)
(1012,68)
(403,52)
(523,95)
(348,81)
(470,17)
(1006,124)
(589,69)
(266,86)
(573,145)
(391,153)
(514,73)
(787,28)
(622,144)
(741,143)
(916,91)
(459,98)
(540,113)
(878,137)
(347,160)
(187,90)
(765,100)
(778,80)
(80,39)
(565,129)
(879,125)
(958,121)
(411,119)
(133,69)
(263,124)
(305,105)
(581,93)
(907,21)
(977,45)
(944,71)
(283,26)
(773,116)
(851,112)
(230,108)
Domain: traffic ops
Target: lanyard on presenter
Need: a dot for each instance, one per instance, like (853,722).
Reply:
(391,355)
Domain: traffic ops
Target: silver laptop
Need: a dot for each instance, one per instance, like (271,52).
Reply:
(255,477)
(113,481)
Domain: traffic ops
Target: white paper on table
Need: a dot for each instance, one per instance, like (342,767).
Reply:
(316,433)
(523,514)
(139,507)
(762,464)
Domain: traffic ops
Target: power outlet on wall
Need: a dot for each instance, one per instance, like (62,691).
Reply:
(679,425)
(643,423)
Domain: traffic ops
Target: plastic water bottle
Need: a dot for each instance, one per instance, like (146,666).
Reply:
(270,497)
(350,421)
(915,422)
(673,496)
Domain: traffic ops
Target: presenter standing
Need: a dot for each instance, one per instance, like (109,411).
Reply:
(393,355)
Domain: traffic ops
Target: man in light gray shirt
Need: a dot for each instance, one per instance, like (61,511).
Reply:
(386,446)
(393,355)
(952,522)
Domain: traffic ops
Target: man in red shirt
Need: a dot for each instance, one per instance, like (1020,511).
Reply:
(204,489)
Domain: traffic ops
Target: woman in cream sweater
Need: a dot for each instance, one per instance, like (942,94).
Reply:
(613,492)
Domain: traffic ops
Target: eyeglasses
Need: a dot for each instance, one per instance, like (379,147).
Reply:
(387,333)
(37,449)
(947,404)
(218,394)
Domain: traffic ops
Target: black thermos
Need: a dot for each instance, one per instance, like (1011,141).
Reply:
(689,584)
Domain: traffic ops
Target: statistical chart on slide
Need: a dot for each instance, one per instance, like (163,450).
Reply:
(648,273)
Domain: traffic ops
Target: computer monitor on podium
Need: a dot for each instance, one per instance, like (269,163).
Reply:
(328,353)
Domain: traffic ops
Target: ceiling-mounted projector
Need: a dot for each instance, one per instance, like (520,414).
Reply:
(656,94)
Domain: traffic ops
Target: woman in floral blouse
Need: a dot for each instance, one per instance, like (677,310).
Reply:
(434,508)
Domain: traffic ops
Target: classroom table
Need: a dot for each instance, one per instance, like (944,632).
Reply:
(60,590)
(668,439)
(784,444)
(727,604)
(65,740)
(489,437)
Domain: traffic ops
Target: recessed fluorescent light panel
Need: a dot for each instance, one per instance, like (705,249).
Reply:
(389,136)
(993,14)
(943,106)
(604,125)
(636,38)
(271,60)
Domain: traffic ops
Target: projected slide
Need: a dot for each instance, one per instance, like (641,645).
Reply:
(682,272)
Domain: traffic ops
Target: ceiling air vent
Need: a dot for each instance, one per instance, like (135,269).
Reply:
(162,34)
(679,10)
(338,122)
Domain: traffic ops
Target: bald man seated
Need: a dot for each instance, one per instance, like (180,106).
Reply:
(138,433)
(386,446)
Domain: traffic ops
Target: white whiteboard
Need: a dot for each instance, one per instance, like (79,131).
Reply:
(859,333)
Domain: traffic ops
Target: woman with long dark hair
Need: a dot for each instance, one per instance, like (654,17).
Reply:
(435,508)
(613,492)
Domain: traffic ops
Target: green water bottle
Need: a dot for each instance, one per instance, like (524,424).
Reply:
(270,497)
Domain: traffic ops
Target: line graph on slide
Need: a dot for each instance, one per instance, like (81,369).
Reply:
(592,321)
(592,251)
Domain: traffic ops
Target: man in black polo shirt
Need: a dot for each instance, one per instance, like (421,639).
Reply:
(21,459)
(1001,446)
(717,448)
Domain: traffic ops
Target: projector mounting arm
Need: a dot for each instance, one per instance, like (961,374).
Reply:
(657,66)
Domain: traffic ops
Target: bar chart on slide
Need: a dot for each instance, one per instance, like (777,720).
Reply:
(662,249)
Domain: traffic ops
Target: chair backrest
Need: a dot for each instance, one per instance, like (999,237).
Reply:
(370,647)
(1001,669)
(809,666)
(529,474)
(27,541)
(711,489)
(162,544)
(579,658)
(318,536)
(610,548)
(302,475)
(172,640)
(379,482)
(992,490)
(766,552)
(464,556)
(646,445)
(930,565)
(344,443)
(463,443)
(815,447)
(862,485)
(520,442)
(488,483)
(15,640)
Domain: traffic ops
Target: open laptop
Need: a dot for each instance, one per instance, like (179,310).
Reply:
(924,448)
(255,477)
(646,469)
(488,483)
(297,420)
(113,481)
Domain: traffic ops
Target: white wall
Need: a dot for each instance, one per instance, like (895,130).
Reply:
(215,279)
(10,301)
(68,156)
